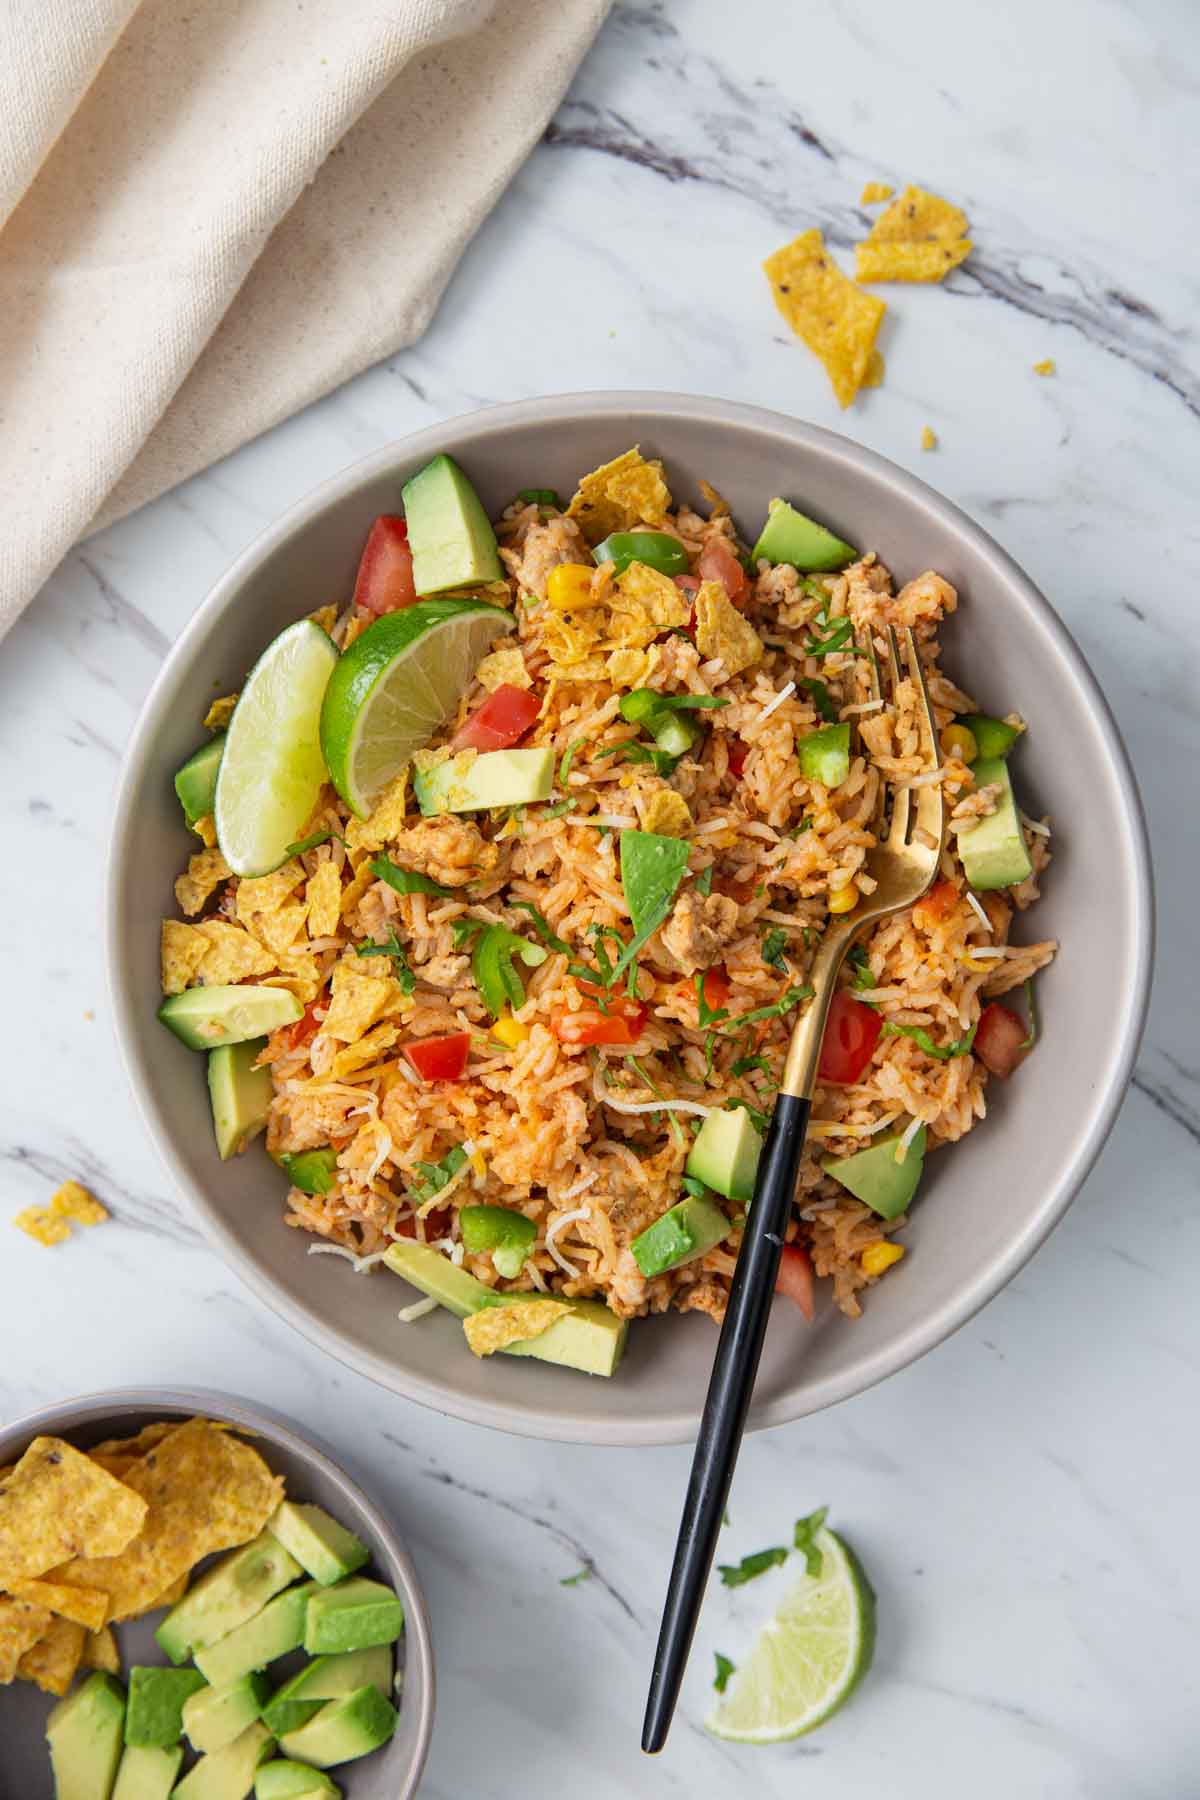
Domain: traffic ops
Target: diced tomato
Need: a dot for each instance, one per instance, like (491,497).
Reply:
(440,1058)
(934,906)
(717,986)
(851,1034)
(999,1037)
(690,585)
(307,1025)
(505,716)
(385,573)
(738,752)
(621,1024)
(795,1279)
(719,563)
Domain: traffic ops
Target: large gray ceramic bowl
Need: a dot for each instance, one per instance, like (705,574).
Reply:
(985,1206)
(311,1474)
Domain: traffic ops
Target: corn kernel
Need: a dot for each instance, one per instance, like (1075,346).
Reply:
(843,900)
(479,1161)
(510,1031)
(958,741)
(569,587)
(878,1257)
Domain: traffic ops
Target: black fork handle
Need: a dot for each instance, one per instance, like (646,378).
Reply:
(729,1390)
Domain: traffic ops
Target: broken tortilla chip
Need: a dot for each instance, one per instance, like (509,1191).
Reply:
(21,1625)
(39,1223)
(72,1201)
(721,631)
(53,1660)
(667,813)
(497,1326)
(916,217)
(85,1606)
(829,312)
(220,712)
(358,1000)
(204,1490)
(323,896)
(205,873)
(620,494)
(57,1504)
(908,262)
(875,191)
(100,1651)
(142,1441)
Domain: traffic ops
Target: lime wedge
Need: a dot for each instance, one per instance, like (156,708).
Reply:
(272,770)
(808,1658)
(395,685)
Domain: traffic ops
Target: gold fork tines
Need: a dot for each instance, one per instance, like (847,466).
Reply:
(902,863)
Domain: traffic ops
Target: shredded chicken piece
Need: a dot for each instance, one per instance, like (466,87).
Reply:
(452,851)
(699,929)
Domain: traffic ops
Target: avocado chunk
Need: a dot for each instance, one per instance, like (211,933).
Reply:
(993,737)
(228,1594)
(354,1615)
(343,1730)
(994,853)
(825,754)
(473,783)
(278,1628)
(153,1712)
(323,1548)
(148,1772)
(228,1774)
(86,1732)
(196,782)
(312,1171)
(294,1781)
(240,1095)
(725,1154)
(449,533)
(207,1017)
(327,1678)
(874,1176)
(214,1716)
(589,1338)
(685,1231)
(790,537)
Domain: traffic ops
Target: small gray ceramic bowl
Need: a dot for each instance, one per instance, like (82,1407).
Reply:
(311,1474)
(986,1204)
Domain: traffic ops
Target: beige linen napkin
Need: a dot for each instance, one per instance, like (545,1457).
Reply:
(213,211)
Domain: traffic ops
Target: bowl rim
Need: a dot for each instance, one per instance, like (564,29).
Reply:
(66,1416)
(625,406)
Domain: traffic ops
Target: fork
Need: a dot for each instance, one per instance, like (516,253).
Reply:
(903,864)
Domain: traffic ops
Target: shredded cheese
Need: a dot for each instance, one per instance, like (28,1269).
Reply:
(381,1156)
(909,1133)
(1036,826)
(614,821)
(832,1127)
(434,1200)
(779,699)
(605,1098)
(360,1264)
(864,706)
(420,1309)
(552,1231)
(579,1187)
(977,908)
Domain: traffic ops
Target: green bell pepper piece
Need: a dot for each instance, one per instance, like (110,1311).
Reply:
(492,966)
(507,1234)
(657,549)
(312,1171)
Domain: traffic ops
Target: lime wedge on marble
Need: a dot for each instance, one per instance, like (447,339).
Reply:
(272,769)
(808,1658)
(395,685)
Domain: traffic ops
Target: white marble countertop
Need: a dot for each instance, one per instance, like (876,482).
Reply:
(1025,1497)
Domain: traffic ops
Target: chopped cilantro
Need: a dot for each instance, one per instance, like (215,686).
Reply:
(433,1177)
(940,1052)
(707,1015)
(724,1670)
(583,1574)
(652,867)
(791,998)
(746,1065)
(804,1539)
(463,930)
(558,809)
(704,881)
(773,946)
(861,976)
(310,843)
(568,757)
(408,881)
(395,949)
(840,633)
(542,926)
(738,1574)
(800,829)
(820,695)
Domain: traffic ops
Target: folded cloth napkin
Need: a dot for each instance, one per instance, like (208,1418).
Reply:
(212,213)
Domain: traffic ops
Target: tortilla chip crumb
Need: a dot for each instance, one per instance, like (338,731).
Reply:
(833,316)
(205,873)
(1045,367)
(325,617)
(920,237)
(667,813)
(39,1223)
(206,829)
(928,438)
(876,369)
(220,712)
(503,668)
(722,632)
(498,1326)
(874,192)
(100,1651)
(73,1201)
(919,217)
